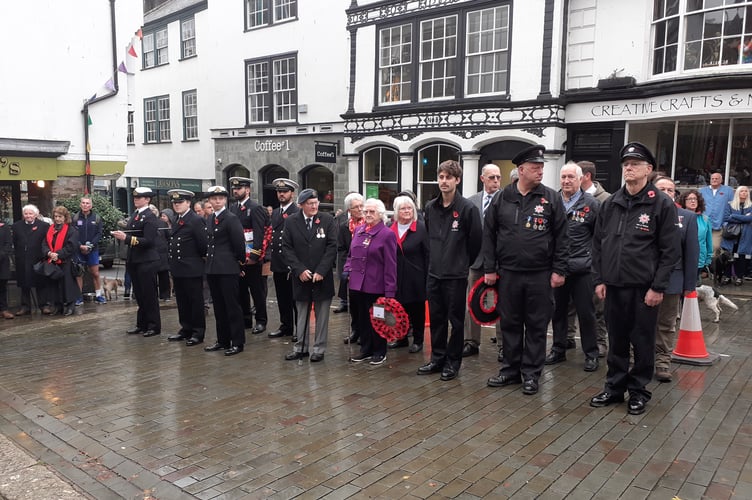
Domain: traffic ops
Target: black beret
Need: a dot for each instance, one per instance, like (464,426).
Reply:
(307,194)
(533,154)
(637,150)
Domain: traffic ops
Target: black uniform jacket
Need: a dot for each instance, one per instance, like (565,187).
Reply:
(454,235)
(226,244)
(188,244)
(255,217)
(279,264)
(141,237)
(315,250)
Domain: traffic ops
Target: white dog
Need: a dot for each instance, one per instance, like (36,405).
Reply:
(714,300)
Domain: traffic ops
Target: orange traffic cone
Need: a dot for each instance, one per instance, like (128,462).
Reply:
(690,348)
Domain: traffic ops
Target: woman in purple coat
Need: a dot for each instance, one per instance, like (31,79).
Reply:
(372,270)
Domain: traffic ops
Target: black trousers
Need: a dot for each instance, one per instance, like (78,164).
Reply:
(189,295)
(446,304)
(370,342)
(163,280)
(3,295)
(285,303)
(144,278)
(253,281)
(228,314)
(578,287)
(525,305)
(416,312)
(630,323)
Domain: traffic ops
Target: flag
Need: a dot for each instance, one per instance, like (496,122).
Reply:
(132,51)
(110,85)
(91,98)
(123,68)
(88,119)
(140,34)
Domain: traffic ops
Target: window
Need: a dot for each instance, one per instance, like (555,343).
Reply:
(266,12)
(154,47)
(381,168)
(429,159)
(188,38)
(157,119)
(439,57)
(190,116)
(716,33)
(130,135)
(276,100)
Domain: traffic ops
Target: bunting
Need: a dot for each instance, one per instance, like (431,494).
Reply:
(132,51)
(110,85)
(124,69)
(140,34)
(88,119)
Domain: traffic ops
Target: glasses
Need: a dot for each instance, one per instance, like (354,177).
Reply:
(633,164)
(493,177)
(691,200)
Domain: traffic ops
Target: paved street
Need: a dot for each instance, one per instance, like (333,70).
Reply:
(122,416)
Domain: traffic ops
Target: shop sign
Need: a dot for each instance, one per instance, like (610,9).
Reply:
(167,184)
(325,153)
(10,166)
(271,146)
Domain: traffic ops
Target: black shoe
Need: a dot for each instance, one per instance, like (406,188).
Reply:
(591,364)
(360,358)
(259,328)
(177,338)
(295,355)
(415,348)
(493,340)
(606,398)
(432,367)
(502,380)
(294,338)
(193,341)
(279,333)
(470,350)
(232,351)
(403,342)
(216,347)
(448,373)
(555,357)
(636,405)
(134,331)
(377,359)
(530,387)
(571,344)
(340,309)
(150,333)
(316,357)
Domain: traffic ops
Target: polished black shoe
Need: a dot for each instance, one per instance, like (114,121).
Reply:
(398,343)
(415,348)
(232,351)
(279,333)
(502,380)
(470,350)
(448,373)
(291,356)
(555,357)
(340,309)
(591,364)
(606,398)
(177,338)
(636,406)
(150,333)
(428,368)
(193,341)
(215,347)
(135,330)
(571,344)
(530,387)
(316,357)
(259,328)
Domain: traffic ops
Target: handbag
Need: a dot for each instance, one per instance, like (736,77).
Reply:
(731,231)
(48,269)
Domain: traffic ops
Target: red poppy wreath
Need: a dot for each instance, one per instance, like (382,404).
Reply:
(395,323)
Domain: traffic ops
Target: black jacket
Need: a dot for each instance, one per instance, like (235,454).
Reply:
(526,233)
(279,264)
(581,218)
(226,244)
(254,218)
(636,241)
(412,263)
(141,237)
(188,244)
(27,245)
(454,235)
(315,250)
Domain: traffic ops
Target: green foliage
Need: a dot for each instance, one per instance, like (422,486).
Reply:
(101,206)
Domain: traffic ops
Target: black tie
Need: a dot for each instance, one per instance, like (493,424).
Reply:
(308,223)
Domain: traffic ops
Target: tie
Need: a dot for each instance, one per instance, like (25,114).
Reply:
(308,223)
(486,201)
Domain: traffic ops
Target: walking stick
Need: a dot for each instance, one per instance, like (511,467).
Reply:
(306,330)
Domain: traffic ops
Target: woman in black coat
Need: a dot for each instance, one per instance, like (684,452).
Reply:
(59,247)
(412,268)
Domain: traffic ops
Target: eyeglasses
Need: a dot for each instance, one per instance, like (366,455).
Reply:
(493,177)
(690,199)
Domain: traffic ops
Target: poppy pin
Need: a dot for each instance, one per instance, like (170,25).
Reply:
(651,194)
(456,214)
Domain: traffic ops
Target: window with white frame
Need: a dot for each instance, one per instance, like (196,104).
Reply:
(190,116)
(266,12)
(696,34)
(154,48)
(188,38)
(157,119)
(131,134)
(437,56)
(272,92)
(428,160)
(381,168)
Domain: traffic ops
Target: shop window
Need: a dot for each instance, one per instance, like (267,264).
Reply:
(381,168)
(741,153)
(321,179)
(429,159)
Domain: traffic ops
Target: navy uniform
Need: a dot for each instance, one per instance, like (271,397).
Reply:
(225,252)
(254,218)
(280,269)
(186,254)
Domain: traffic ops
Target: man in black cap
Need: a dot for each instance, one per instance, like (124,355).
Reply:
(254,219)
(187,251)
(282,280)
(635,246)
(309,244)
(525,248)
(226,253)
(143,262)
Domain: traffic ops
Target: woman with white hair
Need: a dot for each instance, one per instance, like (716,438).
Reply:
(28,234)
(372,267)
(412,268)
(739,211)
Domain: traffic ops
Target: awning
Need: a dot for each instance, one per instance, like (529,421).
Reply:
(23,168)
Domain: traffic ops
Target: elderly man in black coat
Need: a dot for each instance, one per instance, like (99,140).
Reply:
(28,235)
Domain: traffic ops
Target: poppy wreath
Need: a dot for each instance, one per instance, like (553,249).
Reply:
(482,312)
(395,323)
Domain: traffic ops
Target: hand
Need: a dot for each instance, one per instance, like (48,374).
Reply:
(557,280)
(305,276)
(490,278)
(83,249)
(653,298)
(53,256)
(118,235)
(317,277)
(600,291)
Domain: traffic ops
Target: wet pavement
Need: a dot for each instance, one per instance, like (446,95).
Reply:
(122,416)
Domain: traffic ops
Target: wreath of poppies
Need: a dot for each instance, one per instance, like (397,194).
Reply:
(395,323)
(483,311)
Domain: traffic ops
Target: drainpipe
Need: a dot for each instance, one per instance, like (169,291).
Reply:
(112,93)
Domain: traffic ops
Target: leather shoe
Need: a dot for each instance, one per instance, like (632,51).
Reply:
(415,348)
(431,367)
(150,333)
(470,350)
(502,380)
(340,309)
(663,375)
(232,351)
(606,398)
(530,387)
(403,342)
(259,328)
(295,355)
(279,333)
(193,341)
(591,364)
(448,373)
(294,338)
(7,315)
(316,357)
(134,331)
(176,338)
(69,310)
(215,347)
(555,357)
(23,311)
(636,406)
(48,310)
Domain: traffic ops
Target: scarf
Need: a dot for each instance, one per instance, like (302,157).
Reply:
(56,238)
(353,223)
